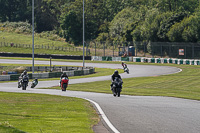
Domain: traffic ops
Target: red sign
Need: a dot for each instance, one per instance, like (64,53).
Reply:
(181,51)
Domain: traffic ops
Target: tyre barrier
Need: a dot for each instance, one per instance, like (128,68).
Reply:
(110,58)
(148,60)
(80,71)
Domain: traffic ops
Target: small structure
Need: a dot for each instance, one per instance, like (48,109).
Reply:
(126,51)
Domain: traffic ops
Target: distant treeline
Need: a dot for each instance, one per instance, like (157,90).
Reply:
(115,21)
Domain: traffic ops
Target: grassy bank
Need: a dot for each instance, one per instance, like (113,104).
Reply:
(10,37)
(45,113)
(38,51)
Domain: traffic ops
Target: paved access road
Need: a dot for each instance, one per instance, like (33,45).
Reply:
(130,114)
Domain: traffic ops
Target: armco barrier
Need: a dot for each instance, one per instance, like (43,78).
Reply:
(70,73)
(81,71)
(91,71)
(86,71)
(14,76)
(4,77)
(78,72)
(40,75)
(46,56)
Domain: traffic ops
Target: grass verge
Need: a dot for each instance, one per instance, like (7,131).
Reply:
(33,113)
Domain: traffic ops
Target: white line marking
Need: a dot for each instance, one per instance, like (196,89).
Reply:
(104,116)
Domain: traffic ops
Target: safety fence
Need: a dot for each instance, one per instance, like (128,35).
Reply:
(70,71)
(181,50)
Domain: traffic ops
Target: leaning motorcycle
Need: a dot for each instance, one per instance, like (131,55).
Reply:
(34,83)
(24,82)
(20,83)
(117,86)
(64,83)
(126,70)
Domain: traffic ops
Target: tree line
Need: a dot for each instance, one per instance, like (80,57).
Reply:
(113,21)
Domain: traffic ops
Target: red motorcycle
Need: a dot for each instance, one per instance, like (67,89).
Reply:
(64,83)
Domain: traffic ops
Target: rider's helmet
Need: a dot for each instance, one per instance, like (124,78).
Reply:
(25,72)
(36,79)
(122,63)
(116,72)
(64,73)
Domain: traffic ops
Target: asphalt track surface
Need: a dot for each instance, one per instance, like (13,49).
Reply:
(129,114)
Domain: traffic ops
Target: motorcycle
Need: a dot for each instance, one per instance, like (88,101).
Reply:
(24,82)
(20,83)
(126,70)
(34,83)
(64,83)
(117,86)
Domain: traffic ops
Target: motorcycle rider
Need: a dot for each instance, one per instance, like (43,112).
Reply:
(62,76)
(21,77)
(116,74)
(124,65)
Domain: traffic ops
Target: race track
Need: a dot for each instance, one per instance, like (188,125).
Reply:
(129,114)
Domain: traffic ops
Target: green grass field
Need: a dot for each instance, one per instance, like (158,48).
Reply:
(8,37)
(38,113)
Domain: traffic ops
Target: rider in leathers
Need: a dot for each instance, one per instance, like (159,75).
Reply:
(116,74)
(62,76)
(21,76)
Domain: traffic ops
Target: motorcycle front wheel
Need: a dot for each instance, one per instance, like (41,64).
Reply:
(24,86)
(118,92)
(64,87)
(114,91)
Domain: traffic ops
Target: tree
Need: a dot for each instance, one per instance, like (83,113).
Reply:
(166,25)
(15,10)
(185,31)
(72,28)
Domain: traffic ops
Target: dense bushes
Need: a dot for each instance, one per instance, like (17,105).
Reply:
(108,20)
(25,28)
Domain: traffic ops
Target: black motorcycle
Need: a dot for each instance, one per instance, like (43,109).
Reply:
(24,82)
(117,86)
